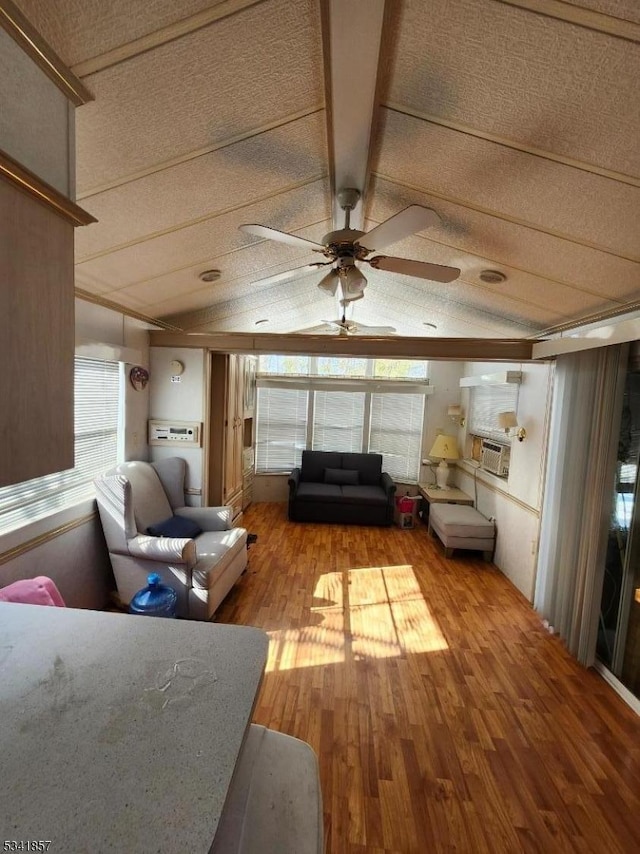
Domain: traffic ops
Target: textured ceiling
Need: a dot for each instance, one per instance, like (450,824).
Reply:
(516,120)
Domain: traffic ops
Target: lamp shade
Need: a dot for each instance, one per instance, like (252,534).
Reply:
(329,283)
(507,420)
(445,447)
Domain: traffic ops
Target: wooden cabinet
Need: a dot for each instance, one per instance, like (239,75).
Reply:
(37,219)
(228,432)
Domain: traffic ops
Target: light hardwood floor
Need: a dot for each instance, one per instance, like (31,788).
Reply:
(444,717)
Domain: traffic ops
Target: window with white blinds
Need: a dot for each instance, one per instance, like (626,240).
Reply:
(290,419)
(96,399)
(281,428)
(396,433)
(338,421)
(485,402)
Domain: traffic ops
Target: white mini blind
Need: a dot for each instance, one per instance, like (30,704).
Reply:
(96,396)
(338,420)
(485,402)
(396,433)
(281,428)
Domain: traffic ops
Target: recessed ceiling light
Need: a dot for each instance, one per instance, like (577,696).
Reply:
(492,277)
(430,325)
(209,275)
(264,320)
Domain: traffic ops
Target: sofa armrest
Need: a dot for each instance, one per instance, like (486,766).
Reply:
(294,480)
(388,485)
(164,549)
(209,518)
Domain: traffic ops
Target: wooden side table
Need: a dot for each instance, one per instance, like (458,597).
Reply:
(433,495)
(444,496)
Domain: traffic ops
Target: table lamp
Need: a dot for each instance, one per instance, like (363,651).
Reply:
(446,448)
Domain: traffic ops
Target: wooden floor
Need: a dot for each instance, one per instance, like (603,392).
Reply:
(444,717)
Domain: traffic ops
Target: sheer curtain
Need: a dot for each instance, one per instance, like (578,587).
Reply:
(580,469)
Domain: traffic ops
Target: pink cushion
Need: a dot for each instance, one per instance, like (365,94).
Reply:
(33,591)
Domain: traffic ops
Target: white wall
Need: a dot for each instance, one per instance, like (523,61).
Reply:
(181,401)
(515,503)
(445,378)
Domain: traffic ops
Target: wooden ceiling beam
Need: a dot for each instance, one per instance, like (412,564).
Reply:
(444,349)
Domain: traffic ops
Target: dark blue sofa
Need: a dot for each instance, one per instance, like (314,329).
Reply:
(348,489)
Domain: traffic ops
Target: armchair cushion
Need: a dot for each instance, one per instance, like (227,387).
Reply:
(165,549)
(175,526)
(207,518)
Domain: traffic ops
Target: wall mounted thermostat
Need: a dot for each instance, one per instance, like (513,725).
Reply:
(177,367)
(175,433)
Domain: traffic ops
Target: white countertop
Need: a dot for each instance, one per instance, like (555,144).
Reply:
(118,732)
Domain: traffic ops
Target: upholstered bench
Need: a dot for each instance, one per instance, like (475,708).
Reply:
(461,527)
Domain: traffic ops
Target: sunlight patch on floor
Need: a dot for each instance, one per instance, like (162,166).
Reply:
(381,613)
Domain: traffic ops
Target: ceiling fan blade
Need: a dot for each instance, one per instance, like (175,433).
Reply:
(377,330)
(419,269)
(289,274)
(281,236)
(344,326)
(409,221)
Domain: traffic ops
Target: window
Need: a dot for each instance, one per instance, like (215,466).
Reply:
(338,421)
(281,428)
(344,405)
(96,393)
(485,402)
(396,433)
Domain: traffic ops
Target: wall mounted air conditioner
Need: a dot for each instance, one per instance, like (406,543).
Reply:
(495,458)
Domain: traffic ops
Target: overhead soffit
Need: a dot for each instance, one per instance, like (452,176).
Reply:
(557,198)
(304,209)
(100,26)
(225,125)
(527,77)
(626,10)
(222,180)
(211,85)
(506,244)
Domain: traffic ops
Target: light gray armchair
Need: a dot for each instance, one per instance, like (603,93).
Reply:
(201,569)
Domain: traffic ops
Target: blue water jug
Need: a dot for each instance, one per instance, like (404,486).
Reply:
(155,600)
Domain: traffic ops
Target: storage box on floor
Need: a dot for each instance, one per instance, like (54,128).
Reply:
(406,511)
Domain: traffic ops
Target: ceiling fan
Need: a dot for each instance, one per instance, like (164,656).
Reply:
(349,327)
(346,246)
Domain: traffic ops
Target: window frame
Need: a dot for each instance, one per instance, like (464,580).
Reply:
(369,385)
(33,501)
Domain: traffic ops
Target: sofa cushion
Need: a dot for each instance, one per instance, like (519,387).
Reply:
(364,495)
(175,526)
(315,462)
(369,467)
(319,492)
(214,552)
(342,476)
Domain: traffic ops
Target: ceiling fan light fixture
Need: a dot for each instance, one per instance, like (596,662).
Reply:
(210,275)
(329,283)
(492,277)
(353,283)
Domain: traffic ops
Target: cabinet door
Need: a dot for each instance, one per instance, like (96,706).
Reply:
(37,335)
(231,427)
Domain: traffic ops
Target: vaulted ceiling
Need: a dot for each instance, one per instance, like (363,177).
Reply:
(517,121)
